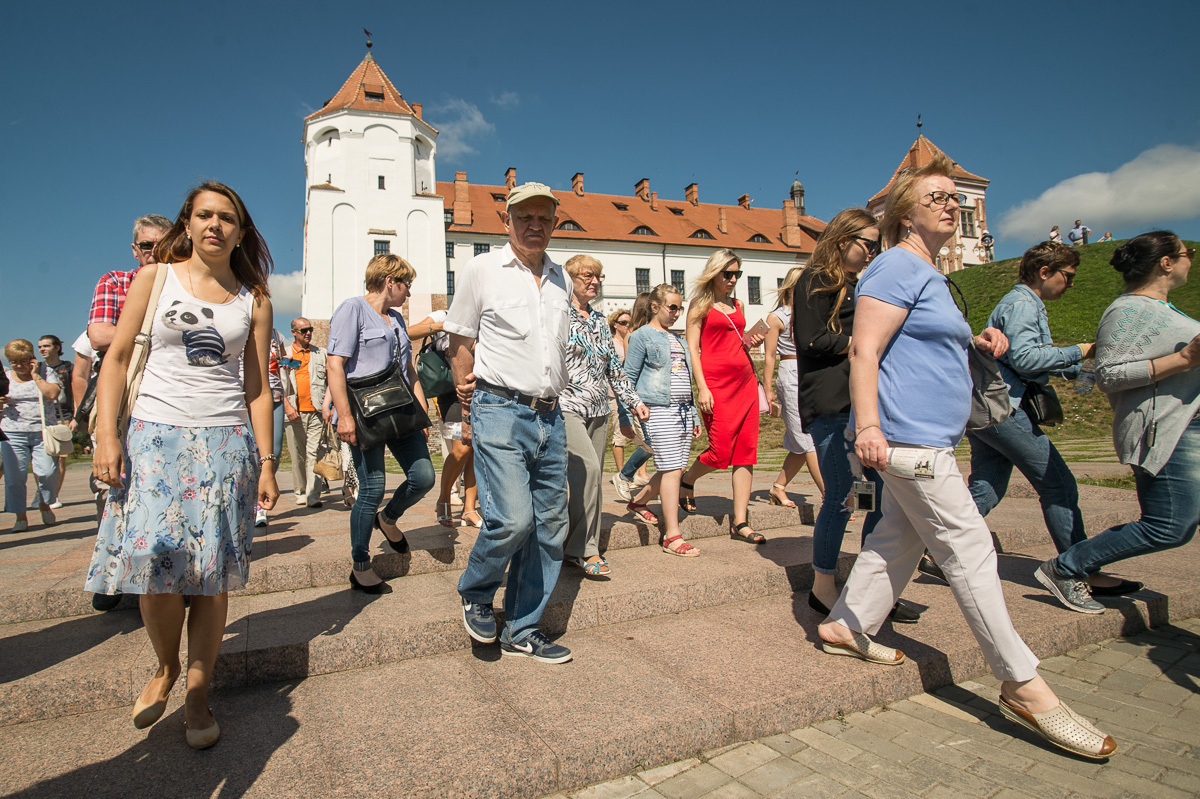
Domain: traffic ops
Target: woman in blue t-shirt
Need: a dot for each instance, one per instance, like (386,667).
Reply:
(910,395)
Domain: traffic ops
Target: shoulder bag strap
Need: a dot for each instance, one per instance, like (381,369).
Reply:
(141,349)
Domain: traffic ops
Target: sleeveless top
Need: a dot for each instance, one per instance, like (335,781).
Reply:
(785,346)
(193,375)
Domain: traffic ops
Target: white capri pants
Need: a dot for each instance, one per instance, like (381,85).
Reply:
(938,515)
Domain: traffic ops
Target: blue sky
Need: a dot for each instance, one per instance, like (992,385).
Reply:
(1071,109)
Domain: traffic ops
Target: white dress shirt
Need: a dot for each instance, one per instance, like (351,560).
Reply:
(519,322)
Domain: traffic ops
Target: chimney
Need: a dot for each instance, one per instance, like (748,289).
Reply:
(653,201)
(510,178)
(791,225)
(691,193)
(721,226)
(577,183)
(744,201)
(642,189)
(416,107)
(462,199)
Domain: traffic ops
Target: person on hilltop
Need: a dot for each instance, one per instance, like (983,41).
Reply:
(1079,234)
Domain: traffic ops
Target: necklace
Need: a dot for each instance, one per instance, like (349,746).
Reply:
(228,294)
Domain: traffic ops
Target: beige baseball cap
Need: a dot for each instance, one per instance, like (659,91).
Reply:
(527,191)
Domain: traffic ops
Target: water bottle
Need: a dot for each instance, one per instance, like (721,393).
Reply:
(1087,377)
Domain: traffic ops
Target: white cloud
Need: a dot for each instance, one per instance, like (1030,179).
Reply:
(286,289)
(506,99)
(459,123)
(1160,185)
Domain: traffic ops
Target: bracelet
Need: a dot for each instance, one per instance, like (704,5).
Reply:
(264,458)
(867,427)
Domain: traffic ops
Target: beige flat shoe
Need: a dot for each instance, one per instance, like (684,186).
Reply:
(864,648)
(145,714)
(1064,728)
(202,739)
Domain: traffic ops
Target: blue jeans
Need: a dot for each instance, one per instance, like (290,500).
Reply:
(828,433)
(18,451)
(1170,503)
(412,453)
(1021,443)
(634,462)
(521,475)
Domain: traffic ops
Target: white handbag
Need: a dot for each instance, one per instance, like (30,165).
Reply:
(56,438)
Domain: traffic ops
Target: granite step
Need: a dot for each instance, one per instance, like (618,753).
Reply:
(639,693)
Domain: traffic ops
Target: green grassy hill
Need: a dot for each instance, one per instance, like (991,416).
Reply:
(1073,319)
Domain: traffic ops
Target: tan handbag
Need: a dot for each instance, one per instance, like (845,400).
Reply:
(329,465)
(137,361)
(56,438)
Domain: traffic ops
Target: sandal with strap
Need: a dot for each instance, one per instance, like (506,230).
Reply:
(642,513)
(683,549)
(599,568)
(444,516)
(752,537)
(1064,728)
(687,504)
(477,522)
(785,502)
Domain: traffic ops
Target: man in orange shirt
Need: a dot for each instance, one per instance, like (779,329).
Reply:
(304,393)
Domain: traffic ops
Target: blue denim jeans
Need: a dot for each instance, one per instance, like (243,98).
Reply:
(1170,503)
(18,451)
(828,433)
(412,453)
(521,475)
(1021,443)
(634,462)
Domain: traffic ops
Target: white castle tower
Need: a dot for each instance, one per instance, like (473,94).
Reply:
(369,184)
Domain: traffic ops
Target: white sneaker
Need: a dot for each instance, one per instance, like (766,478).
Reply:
(622,485)
(55,505)
(300,500)
(260,518)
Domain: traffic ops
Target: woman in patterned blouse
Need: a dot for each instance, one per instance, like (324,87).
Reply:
(592,366)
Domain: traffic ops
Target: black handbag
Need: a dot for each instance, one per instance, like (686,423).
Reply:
(383,407)
(1041,404)
(433,370)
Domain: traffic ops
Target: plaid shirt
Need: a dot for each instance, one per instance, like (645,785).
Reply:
(109,296)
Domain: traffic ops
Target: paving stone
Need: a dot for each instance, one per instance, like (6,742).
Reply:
(822,763)
(1109,658)
(1016,780)
(948,751)
(1182,781)
(885,749)
(1139,767)
(654,776)
(962,781)
(837,747)
(883,790)
(881,725)
(1072,781)
(694,782)
(915,726)
(903,777)
(1139,786)
(744,758)
(1086,671)
(771,777)
(732,790)
(621,788)
(784,743)
(815,787)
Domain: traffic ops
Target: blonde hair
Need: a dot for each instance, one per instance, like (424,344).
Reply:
(826,261)
(19,349)
(614,316)
(381,267)
(703,295)
(783,294)
(903,197)
(658,296)
(580,262)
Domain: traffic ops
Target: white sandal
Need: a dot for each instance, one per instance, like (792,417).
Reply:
(864,648)
(1064,728)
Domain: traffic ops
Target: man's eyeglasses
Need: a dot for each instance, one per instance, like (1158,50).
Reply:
(872,245)
(938,199)
(304,331)
(1188,252)
(731,274)
(146,246)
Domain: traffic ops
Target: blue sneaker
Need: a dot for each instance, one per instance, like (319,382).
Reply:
(537,646)
(480,622)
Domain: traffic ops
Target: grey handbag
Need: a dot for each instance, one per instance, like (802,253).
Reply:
(990,404)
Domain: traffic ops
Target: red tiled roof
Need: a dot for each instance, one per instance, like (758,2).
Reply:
(366,77)
(921,154)
(601,220)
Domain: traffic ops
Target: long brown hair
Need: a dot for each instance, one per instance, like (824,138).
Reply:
(826,262)
(250,261)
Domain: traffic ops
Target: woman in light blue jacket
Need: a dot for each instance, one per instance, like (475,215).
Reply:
(659,365)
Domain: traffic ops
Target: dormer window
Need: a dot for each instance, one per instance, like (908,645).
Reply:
(643,230)
(499,197)
(621,206)
(570,225)
(702,234)
(759,238)
(676,211)
(374,97)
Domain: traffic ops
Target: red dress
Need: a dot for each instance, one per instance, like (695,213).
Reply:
(733,424)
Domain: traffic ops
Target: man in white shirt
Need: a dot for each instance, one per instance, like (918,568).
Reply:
(512,304)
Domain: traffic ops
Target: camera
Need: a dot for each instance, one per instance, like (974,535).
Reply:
(863,496)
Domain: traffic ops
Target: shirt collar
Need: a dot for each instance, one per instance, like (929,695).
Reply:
(511,259)
(1032,294)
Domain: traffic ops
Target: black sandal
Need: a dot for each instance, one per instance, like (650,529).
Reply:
(687,504)
(735,532)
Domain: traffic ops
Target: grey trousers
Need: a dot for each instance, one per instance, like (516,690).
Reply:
(304,447)
(586,439)
(938,515)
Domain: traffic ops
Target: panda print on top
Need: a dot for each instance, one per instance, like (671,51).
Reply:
(202,342)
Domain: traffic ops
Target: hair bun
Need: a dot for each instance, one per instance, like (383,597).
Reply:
(1122,260)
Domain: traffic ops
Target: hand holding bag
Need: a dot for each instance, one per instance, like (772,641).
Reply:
(56,438)
(329,465)
(990,404)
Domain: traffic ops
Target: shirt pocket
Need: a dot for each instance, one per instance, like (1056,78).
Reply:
(374,344)
(509,318)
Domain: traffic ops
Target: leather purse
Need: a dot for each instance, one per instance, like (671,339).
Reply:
(990,403)
(433,370)
(329,465)
(56,438)
(383,407)
(1041,404)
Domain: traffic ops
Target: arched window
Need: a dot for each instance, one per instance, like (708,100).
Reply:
(642,230)
(702,234)
(759,238)
(567,224)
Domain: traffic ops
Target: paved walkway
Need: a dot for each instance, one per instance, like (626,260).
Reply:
(953,743)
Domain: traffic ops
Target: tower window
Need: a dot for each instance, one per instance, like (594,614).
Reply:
(382,247)
(381,182)
(966,220)
(642,278)
(449,249)
(374,97)
(677,279)
(448,216)
(480,249)
(755,290)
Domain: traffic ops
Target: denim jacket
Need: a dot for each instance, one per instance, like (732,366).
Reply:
(1031,356)
(648,364)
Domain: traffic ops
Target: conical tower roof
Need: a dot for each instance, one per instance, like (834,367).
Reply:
(367,89)
(919,155)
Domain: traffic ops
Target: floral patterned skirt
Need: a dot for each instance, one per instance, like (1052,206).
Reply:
(184,522)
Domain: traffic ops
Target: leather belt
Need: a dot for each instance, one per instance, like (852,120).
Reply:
(539,404)
(787,357)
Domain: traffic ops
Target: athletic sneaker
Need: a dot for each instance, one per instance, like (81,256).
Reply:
(260,517)
(537,646)
(55,505)
(623,487)
(1074,594)
(480,622)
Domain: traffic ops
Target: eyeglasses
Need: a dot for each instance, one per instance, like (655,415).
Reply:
(872,245)
(304,331)
(674,308)
(731,274)
(937,199)
(146,246)
(1188,252)
(1070,276)
(588,277)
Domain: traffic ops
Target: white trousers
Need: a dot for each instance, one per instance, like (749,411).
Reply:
(938,515)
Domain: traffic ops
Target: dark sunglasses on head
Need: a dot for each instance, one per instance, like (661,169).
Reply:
(304,330)
(147,246)
(731,274)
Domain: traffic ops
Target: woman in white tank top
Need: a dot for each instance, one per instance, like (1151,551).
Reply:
(198,456)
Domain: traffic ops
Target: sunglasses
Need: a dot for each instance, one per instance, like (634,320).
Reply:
(674,308)
(872,245)
(146,246)
(304,330)
(622,322)
(1188,252)
(731,274)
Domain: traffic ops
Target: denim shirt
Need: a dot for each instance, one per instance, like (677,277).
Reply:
(1031,356)
(648,364)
